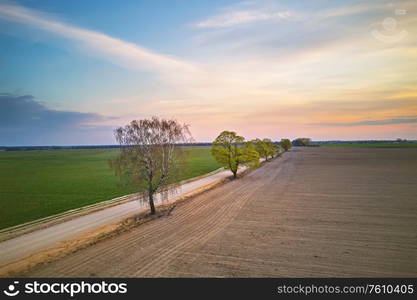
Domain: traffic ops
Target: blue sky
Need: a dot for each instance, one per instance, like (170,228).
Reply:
(324,69)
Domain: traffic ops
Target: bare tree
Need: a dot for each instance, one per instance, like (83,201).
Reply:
(150,158)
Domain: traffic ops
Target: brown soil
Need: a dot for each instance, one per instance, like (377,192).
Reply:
(326,212)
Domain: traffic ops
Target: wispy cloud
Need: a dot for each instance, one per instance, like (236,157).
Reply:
(127,54)
(186,77)
(259,12)
(234,18)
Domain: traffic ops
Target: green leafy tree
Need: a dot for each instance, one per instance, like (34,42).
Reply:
(265,148)
(261,148)
(286,144)
(271,148)
(232,151)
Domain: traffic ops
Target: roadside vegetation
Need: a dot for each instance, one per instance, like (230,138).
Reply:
(233,151)
(286,144)
(265,148)
(149,159)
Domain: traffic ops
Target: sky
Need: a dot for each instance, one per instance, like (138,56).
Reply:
(73,71)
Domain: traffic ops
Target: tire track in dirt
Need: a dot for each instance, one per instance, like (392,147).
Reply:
(203,232)
(249,191)
(171,242)
(269,175)
(218,219)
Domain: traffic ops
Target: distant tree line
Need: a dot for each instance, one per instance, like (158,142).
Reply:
(311,143)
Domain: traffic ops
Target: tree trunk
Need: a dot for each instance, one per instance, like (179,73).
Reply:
(151,204)
(234,174)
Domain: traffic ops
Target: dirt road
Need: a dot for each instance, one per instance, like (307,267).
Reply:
(313,212)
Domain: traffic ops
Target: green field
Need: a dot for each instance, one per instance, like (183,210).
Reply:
(36,184)
(373,145)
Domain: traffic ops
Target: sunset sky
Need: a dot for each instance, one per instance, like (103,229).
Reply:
(72,71)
